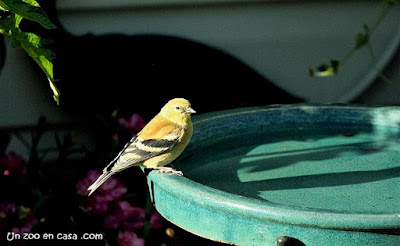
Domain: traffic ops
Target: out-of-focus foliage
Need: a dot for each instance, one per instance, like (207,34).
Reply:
(362,39)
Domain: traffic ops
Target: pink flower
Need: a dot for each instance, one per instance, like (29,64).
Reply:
(108,192)
(123,215)
(12,164)
(129,238)
(155,220)
(134,124)
(18,219)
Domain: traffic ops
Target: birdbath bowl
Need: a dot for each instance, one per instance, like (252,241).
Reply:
(288,175)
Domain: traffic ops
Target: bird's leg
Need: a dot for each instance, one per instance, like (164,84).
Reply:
(168,170)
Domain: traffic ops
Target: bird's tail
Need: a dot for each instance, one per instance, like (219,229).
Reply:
(100,181)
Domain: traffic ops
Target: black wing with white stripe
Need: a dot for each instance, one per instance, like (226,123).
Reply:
(138,150)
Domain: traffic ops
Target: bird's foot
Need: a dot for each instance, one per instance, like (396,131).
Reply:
(168,170)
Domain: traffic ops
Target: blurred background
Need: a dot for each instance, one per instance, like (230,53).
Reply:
(118,62)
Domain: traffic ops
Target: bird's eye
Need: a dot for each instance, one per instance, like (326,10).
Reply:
(177,108)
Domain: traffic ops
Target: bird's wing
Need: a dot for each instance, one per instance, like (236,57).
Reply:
(139,150)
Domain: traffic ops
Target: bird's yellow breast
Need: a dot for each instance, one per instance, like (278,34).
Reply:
(170,155)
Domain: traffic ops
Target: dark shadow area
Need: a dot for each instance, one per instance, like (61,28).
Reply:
(281,159)
(322,180)
(140,73)
(288,241)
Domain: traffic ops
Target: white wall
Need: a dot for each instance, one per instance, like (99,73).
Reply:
(279,39)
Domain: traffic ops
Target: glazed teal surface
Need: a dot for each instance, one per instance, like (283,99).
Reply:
(326,175)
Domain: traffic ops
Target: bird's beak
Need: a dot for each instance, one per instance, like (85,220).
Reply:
(189,110)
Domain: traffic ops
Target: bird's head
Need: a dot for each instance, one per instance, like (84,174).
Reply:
(178,110)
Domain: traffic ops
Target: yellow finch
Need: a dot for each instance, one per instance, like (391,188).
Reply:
(159,143)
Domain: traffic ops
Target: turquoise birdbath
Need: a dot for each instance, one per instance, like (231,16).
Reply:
(288,175)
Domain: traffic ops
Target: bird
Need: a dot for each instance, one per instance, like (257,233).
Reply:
(159,143)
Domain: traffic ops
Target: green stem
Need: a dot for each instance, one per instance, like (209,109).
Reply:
(381,17)
(370,29)
(347,56)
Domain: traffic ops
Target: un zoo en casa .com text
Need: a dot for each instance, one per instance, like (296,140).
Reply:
(11,236)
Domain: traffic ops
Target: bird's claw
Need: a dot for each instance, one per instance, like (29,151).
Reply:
(168,170)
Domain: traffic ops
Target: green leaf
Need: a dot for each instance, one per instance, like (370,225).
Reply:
(31,2)
(3,6)
(42,56)
(28,9)
(30,42)
(35,40)
(15,43)
(23,212)
(10,24)
(362,38)
(56,92)
(41,200)
(391,2)
(325,70)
